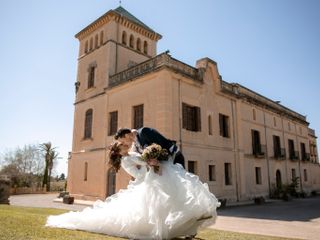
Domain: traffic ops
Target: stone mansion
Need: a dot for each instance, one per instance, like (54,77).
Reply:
(240,143)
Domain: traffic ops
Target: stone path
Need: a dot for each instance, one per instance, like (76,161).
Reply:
(43,201)
(299,218)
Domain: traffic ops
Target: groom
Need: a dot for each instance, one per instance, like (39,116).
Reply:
(144,137)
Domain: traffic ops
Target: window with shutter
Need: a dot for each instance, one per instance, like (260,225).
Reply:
(212,173)
(91,77)
(227,174)
(88,124)
(224,125)
(291,149)
(191,118)
(258,176)
(276,146)
(138,116)
(113,122)
(256,146)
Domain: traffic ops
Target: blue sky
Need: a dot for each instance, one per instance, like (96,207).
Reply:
(271,47)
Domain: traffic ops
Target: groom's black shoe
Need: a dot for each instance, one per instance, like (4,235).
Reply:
(190,237)
(204,218)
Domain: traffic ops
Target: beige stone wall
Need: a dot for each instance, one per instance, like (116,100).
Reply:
(95,185)
(99,129)
(152,45)
(103,67)
(162,93)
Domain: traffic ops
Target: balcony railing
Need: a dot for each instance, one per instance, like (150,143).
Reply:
(305,156)
(259,151)
(294,155)
(280,154)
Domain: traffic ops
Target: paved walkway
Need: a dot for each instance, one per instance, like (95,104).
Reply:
(299,218)
(43,201)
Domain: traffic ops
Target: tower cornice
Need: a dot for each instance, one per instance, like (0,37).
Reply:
(113,15)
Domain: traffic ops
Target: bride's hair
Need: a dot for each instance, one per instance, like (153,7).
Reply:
(115,156)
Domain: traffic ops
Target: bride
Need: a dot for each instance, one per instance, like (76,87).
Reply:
(159,204)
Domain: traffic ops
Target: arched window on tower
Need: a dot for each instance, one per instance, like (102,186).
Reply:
(124,38)
(86,47)
(131,43)
(145,47)
(88,124)
(91,44)
(139,44)
(101,38)
(96,42)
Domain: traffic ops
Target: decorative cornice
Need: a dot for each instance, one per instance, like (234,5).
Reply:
(117,17)
(312,132)
(94,25)
(250,96)
(94,96)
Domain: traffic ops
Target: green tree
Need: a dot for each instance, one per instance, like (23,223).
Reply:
(23,165)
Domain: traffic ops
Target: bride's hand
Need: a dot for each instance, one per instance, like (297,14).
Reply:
(156,165)
(153,162)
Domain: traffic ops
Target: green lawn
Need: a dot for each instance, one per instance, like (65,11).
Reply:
(21,223)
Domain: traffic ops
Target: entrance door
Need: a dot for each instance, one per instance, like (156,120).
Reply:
(111,184)
(278,179)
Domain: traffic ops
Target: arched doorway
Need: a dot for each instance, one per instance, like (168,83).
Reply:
(111,184)
(278,179)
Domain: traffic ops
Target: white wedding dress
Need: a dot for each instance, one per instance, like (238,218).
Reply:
(174,204)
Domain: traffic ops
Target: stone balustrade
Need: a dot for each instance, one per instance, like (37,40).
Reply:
(162,60)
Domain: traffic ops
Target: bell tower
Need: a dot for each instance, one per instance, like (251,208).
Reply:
(112,43)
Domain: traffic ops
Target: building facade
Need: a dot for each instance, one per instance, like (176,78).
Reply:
(241,143)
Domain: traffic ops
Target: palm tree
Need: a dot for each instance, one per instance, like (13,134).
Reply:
(53,155)
(50,155)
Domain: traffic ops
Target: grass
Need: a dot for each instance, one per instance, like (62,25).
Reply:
(22,223)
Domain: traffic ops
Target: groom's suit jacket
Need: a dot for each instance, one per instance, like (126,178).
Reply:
(146,136)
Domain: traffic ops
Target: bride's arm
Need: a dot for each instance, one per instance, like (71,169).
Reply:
(131,168)
(136,158)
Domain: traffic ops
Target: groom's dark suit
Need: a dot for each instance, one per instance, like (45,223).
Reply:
(146,136)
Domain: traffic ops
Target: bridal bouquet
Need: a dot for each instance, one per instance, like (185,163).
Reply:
(153,154)
(154,151)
